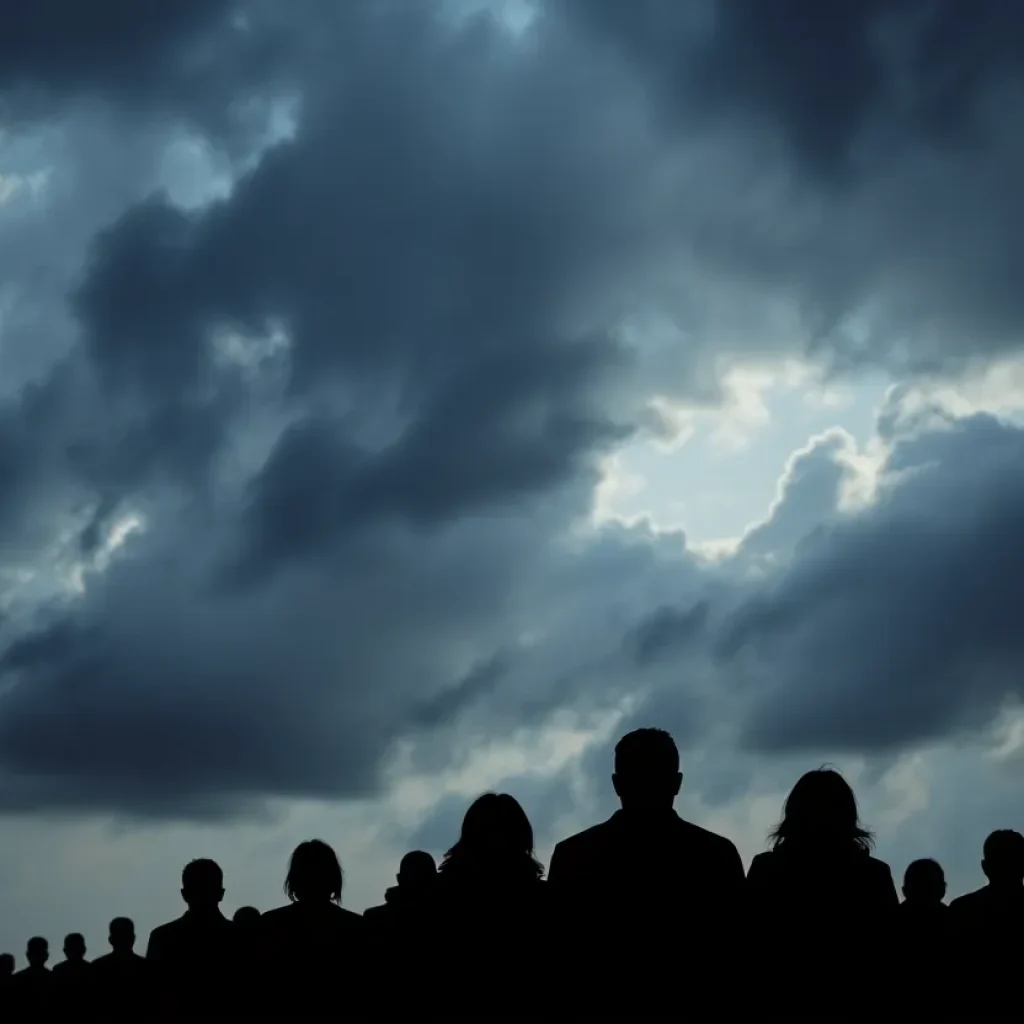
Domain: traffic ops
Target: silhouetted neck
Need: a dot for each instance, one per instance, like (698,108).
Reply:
(646,817)
(204,914)
(1013,889)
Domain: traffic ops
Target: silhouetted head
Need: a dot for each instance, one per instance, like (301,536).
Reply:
(246,916)
(6,965)
(202,884)
(74,946)
(122,935)
(417,871)
(924,882)
(314,873)
(38,952)
(496,841)
(647,775)
(1004,857)
(821,812)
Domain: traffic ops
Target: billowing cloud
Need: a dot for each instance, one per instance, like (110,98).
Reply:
(342,314)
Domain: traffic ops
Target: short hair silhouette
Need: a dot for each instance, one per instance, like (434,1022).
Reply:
(924,881)
(246,916)
(6,965)
(821,809)
(122,935)
(417,869)
(202,884)
(314,873)
(647,771)
(74,946)
(37,952)
(495,831)
(1004,857)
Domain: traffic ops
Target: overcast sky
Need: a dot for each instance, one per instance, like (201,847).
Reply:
(400,400)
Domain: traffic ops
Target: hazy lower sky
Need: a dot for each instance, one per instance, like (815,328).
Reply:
(401,400)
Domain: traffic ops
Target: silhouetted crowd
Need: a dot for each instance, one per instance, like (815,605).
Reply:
(644,914)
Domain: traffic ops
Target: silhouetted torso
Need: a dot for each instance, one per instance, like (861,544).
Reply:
(828,917)
(988,928)
(494,937)
(645,895)
(122,986)
(313,958)
(71,985)
(30,993)
(401,934)
(194,962)
(925,955)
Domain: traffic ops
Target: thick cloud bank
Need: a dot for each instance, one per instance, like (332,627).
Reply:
(341,313)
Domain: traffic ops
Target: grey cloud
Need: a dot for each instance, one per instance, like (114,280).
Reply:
(898,625)
(448,248)
(866,163)
(667,628)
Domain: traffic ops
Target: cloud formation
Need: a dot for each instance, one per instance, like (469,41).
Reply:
(304,492)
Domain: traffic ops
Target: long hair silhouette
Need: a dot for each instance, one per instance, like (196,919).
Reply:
(314,873)
(496,841)
(821,811)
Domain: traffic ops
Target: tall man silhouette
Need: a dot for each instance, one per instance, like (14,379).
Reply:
(195,958)
(647,895)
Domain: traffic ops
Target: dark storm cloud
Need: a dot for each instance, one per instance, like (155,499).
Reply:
(433,269)
(445,248)
(899,625)
(826,75)
(868,161)
(191,59)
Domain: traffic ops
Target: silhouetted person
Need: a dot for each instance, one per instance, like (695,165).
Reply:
(826,903)
(247,928)
(924,938)
(492,911)
(31,988)
(6,972)
(71,976)
(645,891)
(312,949)
(194,957)
(121,979)
(417,885)
(989,923)
(246,917)
(401,930)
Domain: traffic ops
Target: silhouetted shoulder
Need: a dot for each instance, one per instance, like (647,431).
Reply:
(295,915)
(969,903)
(710,842)
(160,938)
(761,863)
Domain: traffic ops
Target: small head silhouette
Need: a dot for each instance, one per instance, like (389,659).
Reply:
(38,952)
(74,946)
(1004,858)
(202,884)
(417,871)
(6,965)
(314,873)
(924,882)
(122,935)
(821,812)
(246,916)
(496,838)
(647,775)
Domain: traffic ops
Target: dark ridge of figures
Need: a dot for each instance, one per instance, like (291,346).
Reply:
(644,914)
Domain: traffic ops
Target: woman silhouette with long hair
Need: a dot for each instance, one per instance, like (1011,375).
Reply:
(828,904)
(495,848)
(493,905)
(312,948)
